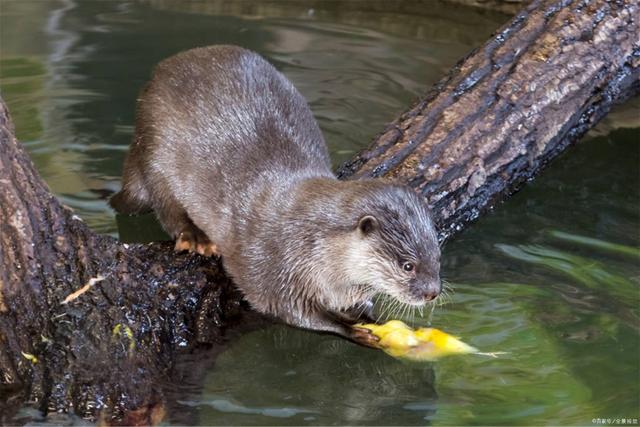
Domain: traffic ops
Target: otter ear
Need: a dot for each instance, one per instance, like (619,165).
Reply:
(367,224)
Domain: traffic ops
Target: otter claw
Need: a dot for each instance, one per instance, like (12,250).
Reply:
(188,241)
(183,242)
(364,336)
(207,249)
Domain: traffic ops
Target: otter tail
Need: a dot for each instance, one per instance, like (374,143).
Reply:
(126,203)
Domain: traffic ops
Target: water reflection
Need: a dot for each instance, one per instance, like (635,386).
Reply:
(565,315)
(79,77)
(321,380)
(551,277)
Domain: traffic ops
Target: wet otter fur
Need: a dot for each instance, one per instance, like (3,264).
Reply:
(229,156)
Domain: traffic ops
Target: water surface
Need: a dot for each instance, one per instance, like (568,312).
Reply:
(551,277)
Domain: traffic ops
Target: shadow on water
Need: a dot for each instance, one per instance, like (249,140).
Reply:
(284,376)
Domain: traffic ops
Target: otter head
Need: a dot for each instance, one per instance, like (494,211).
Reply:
(393,248)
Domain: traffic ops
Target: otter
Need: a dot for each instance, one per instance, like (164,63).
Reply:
(229,156)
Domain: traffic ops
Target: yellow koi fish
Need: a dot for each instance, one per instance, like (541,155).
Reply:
(422,344)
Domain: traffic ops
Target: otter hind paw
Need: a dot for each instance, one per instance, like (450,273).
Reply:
(195,241)
(207,249)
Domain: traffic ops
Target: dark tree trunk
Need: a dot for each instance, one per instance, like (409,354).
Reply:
(510,107)
(85,356)
(498,117)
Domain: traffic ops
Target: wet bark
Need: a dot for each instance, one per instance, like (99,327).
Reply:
(510,107)
(111,347)
(489,126)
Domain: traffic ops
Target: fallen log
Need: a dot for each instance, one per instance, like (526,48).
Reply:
(509,108)
(103,347)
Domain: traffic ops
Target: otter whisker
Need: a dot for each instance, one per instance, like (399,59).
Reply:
(385,307)
(405,308)
(432,308)
(390,307)
(395,309)
(446,293)
(378,306)
(381,307)
(385,312)
(401,310)
(366,290)
(447,288)
(400,307)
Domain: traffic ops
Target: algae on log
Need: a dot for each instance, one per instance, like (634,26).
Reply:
(497,118)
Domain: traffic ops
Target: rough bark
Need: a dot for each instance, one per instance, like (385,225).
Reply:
(499,116)
(510,107)
(84,359)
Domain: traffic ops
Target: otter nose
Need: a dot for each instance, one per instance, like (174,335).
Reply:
(430,295)
(431,291)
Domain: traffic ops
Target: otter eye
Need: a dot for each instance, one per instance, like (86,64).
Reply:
(408,266)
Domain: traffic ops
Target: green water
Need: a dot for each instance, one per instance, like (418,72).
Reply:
(551,277)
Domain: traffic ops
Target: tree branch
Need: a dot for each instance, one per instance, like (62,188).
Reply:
(509,108)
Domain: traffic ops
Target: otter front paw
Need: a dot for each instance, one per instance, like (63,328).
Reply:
(364,336)
(195,241)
